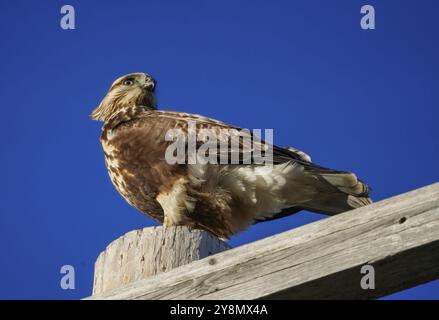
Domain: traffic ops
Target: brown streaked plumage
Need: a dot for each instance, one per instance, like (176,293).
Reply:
(220,198)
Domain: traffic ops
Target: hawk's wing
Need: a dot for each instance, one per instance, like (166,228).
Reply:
(163,121)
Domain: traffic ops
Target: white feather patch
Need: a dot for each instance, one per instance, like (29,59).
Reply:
(174,202)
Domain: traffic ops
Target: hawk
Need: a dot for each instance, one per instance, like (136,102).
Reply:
(223,199)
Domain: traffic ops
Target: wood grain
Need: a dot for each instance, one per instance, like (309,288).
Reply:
(399,237)
(140,254)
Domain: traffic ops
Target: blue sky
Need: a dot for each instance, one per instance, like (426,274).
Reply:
(365,101)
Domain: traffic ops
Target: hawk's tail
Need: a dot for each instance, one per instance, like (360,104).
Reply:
(337,191)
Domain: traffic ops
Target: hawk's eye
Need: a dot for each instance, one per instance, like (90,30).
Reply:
(128,82)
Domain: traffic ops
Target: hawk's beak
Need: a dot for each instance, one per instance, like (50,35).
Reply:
(150,85)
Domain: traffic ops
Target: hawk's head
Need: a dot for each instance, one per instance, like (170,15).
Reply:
(129,90)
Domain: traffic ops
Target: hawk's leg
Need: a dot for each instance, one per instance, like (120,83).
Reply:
(176,204)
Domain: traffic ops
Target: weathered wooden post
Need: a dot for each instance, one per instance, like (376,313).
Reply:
(140,254)
(398,237)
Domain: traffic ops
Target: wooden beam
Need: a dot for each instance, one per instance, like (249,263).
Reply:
(399,237)
(140,254)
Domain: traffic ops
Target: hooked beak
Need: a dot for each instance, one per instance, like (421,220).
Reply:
(150,84)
